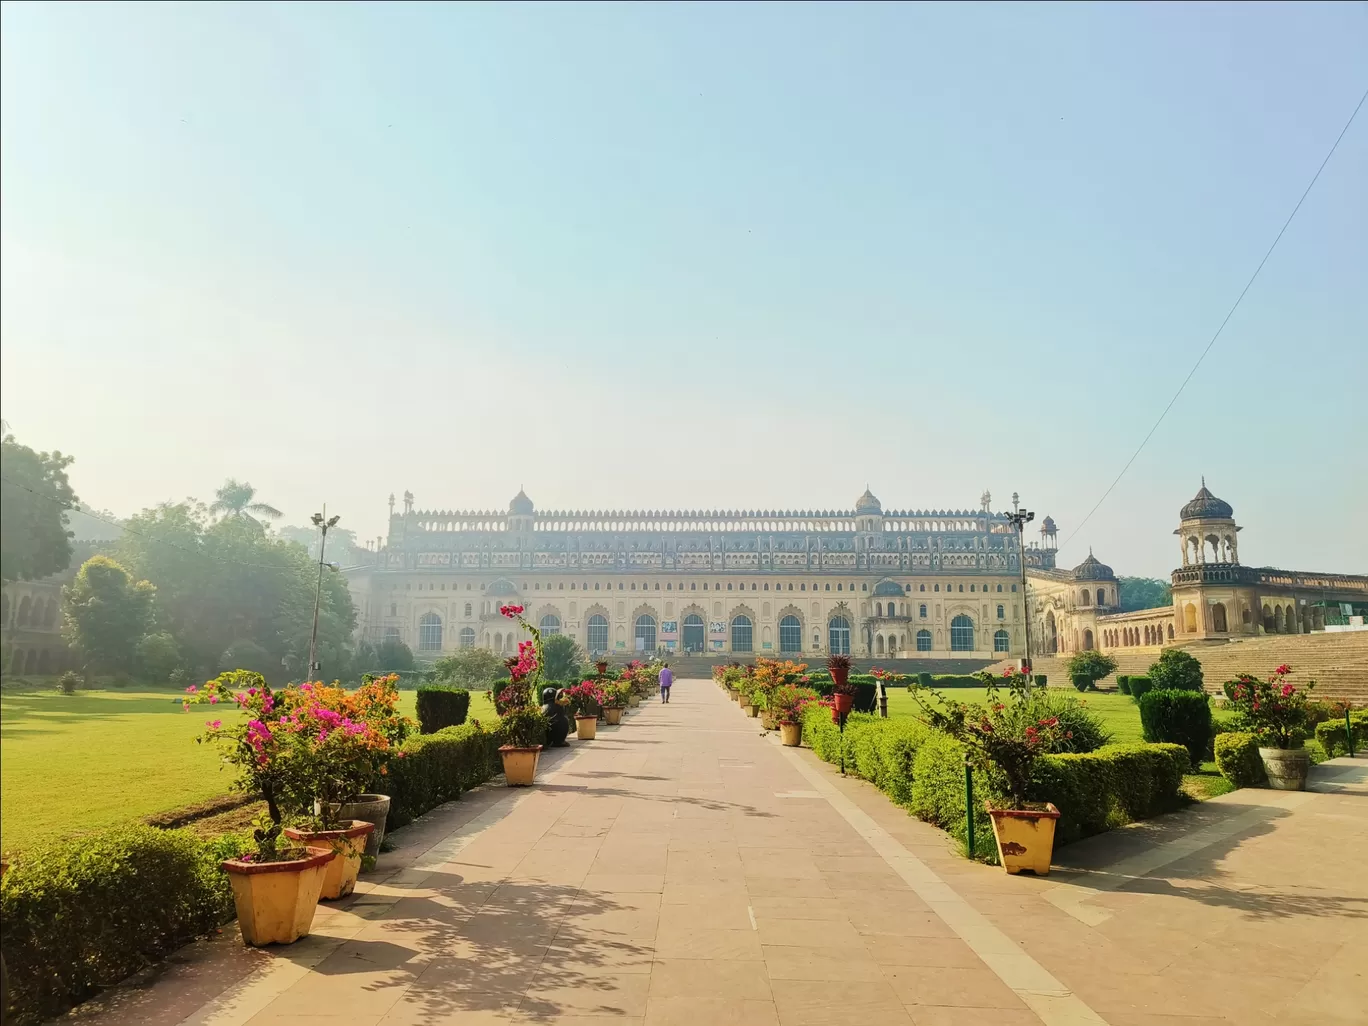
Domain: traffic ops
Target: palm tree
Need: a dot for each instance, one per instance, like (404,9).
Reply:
(234,499)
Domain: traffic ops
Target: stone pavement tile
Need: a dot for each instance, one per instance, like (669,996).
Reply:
(583,956)
(814,963)
(515,932)
(709,978)
(613,883)
(701,942)
(949,952)
(702,1010)
(843,884)
(957,1015)
(835,1003)
(478,971)
(594,994)
(763,885)
(785,907)
(809,933)
(842,864)
(895,923)
(719,915)
(702,893)
(292,1018)
(359,994)
(467,1010)
(978,987)
(615,924)
(619,901)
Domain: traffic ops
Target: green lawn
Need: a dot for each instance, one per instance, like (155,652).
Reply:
(72,763)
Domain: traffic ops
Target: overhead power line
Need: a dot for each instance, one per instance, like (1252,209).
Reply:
(1235,306)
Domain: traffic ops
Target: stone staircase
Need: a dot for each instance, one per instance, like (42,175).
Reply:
(1338,662)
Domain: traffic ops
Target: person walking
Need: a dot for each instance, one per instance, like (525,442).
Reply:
(666,681)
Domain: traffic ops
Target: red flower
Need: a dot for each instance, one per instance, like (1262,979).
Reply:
(1287,689)
(1283,670)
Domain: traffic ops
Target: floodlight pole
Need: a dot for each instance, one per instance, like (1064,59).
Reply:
(1019,518)
(319,521)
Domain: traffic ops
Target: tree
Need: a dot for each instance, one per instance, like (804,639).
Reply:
(1143,593)
(341,549)
(158,656)
(34,495)
(105,615)
(1176,670)
(563,658)
(393,655)
(1091,664)
(469,668)
(234,499)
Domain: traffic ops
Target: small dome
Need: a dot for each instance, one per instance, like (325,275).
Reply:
(521,504)
(1205,506)
(867,503)
(502,587)
(888,588)
(1048,526)
(1091,569)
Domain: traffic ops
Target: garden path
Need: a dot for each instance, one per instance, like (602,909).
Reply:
(684,869)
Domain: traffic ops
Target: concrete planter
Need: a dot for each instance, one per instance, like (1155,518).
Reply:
(791,734)
(339,876)
(612,715)
(1025,838)
(1287,768)
(751,711)
(520,764)
(370,808)
(276,900)
(586,727)
(633,701)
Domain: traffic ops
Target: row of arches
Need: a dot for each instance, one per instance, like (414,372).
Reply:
(1148,634)
(38,613)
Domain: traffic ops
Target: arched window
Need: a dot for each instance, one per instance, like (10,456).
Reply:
(596,634)
(962,634)
(694,635)
(1190,618)
(923,641)
(878,645)
(467,637)
(429,633)
(25,610)
(790,634)
(1101,596)
(838,635)
(921,610)
(1000,641)
(878,609)
(741,633)
(467,609)
(1085,598)
(645,633)
(1002,612)
(550,624)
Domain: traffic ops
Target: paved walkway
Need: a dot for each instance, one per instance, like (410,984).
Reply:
(683,869)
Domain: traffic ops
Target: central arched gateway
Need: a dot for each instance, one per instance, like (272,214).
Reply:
(694,633)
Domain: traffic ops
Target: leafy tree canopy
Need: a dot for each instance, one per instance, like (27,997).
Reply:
(236,500)
(34,495)
(1093,664)
(106,614)
(1176,670)
(1143,593)
(469,668)
(563,658)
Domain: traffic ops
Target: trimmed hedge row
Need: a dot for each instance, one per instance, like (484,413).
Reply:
(923,770)
(435,768)
(81,914)
(1138,686)
(1237,758)
(440,706)
(1334,736)
(1178,717)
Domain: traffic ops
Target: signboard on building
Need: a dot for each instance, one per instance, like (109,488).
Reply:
(717,629)
(669,629)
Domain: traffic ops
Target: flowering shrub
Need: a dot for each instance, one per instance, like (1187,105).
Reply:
(616,693)
(788,702)
(1275,710)
(889,678)
(1004,737)
(587,697)
(519,703)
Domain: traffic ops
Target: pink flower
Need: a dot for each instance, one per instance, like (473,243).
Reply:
(213,724)
(1287,690)
(1283,670)
(213,699)
(191,689)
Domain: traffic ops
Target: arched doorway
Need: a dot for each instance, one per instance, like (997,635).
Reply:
(742,634)
(550,624)
(838,635)
(1218,618)
(596,634)
(694,633)
(1190,618)
(790,634)
(1087,640)
(962,633)
(1051,633)
(645,635)
(429,633)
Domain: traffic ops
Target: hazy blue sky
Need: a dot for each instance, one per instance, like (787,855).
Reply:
(706,256)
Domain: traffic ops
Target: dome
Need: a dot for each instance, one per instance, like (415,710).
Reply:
(867,503)
(1205,506)
(502,587)
(1091,569)
(888,588)
(1048,526)
(521,504)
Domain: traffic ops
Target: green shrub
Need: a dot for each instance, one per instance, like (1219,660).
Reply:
(821,735)
(1091,664)
(436,768)
(1237,757)
(440,706)
(862,733)
(70,682)
(898,743)
(1123,683)
(1041,679)
(82,914)
(1333,736)
(1108,788)
(1081,681)
(1176,670)
(1178,717)
(1083,727)
(924,679)
(957,680)
(937,792)
(1139,685)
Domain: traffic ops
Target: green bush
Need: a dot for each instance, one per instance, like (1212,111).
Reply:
(1139,685)
(924,679)
(1041,679)
(821,735)
(1083,727)
(1178,717)
(1333,736)
(435,768)
(1123,683)
(82,914)
(1091,664)
(1237,757)
(1115,785)
(937,792)
(440,706)
(1176,670)
(898,744)
(1081,681)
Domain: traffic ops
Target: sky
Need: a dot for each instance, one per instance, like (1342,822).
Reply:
(696,256)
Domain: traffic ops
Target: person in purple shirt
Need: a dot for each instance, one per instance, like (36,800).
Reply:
(666,680)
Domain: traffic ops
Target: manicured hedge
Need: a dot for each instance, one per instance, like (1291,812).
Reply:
(1237,757)
(1082,682)
(1333,736)
(440,706)
(1041,679)
(1123,683)
(82,914)
(1115,785)
(435,768)
(1138,686)
(1178,717)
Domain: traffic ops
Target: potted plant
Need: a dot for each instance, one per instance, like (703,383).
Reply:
(788,704)
(614,700)
(275,886)
(586,698)
(523,723)
(842,691)
(1277,712)
(1004,739)
(601,666)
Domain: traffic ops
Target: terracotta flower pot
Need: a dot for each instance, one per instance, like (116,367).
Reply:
(791,734)
(842,703)
(276,900)
(1025,838)
(339,878)
(586,727)
(612,715)
(601,667)
(1287,768)
(520,764)
(373,809)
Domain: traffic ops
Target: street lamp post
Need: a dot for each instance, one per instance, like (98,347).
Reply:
(1019,518)
(323,525)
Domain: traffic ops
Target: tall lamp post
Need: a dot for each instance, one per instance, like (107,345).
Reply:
(1019,518)
(323,525)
